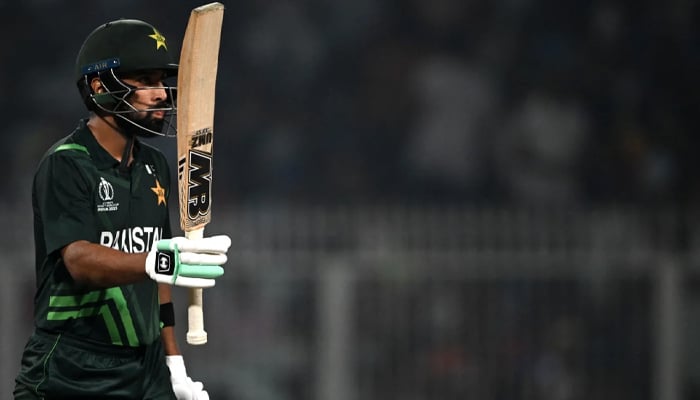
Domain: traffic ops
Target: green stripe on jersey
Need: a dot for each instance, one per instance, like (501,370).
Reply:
(96,303)
(72,146)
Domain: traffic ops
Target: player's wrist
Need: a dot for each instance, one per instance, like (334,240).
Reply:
(176,364)
(167,314)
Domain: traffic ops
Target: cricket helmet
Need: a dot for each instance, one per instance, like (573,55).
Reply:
(114,50)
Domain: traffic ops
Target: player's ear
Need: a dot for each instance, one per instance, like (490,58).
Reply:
(96,85)
(101,96)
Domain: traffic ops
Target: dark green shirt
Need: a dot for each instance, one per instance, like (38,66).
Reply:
(79,194)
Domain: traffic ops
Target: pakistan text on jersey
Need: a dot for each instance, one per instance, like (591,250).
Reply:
(132,240)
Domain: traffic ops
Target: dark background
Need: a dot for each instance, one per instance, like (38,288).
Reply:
(435,122)
(326,101)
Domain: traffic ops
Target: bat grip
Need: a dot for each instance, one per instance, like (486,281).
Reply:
(196,335)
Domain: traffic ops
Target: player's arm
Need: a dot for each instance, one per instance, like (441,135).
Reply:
(167,334)
(177,261)
(183,386)
(99,266)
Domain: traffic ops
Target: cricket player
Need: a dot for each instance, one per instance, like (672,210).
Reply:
(105,259)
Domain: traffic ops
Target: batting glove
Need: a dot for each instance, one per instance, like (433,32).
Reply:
(188,262)
(183,386)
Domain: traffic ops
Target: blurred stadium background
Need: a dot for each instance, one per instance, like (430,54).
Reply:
(444,199)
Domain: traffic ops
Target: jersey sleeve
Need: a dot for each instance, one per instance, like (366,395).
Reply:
(64,198)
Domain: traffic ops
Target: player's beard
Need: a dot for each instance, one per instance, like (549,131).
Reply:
(139,123)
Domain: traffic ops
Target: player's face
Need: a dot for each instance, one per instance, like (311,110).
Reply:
(150,94)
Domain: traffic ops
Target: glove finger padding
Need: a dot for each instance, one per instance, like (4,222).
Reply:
(196,386)
(202,258)
(193,282)
(218,244)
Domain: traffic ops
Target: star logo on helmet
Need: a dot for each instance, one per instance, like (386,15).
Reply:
(160,39)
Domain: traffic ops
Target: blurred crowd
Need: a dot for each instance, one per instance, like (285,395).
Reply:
(516,101)
(503,340)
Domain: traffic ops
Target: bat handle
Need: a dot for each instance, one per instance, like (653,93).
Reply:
(196,335)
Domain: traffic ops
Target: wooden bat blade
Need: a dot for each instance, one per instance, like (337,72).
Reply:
(195,135)
(195,115)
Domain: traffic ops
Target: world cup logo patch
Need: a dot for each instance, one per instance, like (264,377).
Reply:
(105,191)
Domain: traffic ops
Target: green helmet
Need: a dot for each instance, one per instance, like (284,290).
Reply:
(115,49)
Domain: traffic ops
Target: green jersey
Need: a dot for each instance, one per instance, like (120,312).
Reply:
(79,193)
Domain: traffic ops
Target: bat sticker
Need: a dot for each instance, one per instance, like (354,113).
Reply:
(199,187)
(202,138)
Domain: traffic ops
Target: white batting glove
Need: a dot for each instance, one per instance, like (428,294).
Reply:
(188,262)
(183,386)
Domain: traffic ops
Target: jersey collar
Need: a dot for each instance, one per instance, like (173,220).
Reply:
(99,155)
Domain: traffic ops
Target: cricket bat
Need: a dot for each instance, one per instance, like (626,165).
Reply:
(196,86)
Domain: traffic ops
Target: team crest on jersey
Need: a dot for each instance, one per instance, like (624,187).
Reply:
(106,192)
(159,192)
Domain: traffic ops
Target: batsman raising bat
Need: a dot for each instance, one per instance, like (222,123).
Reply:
(105,258)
